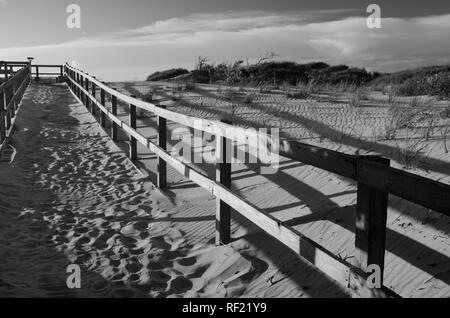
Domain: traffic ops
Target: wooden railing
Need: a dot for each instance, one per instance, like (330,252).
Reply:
(38,73)
(375,180)
(9,68)
(11,93)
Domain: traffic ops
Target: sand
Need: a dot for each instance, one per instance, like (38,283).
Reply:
(69,195)
(320,204)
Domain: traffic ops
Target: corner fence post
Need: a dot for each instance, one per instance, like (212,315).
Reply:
(371,215)
(102,113)
(114,112)
(162,143)
(133,124)
(94,92)
(223,176)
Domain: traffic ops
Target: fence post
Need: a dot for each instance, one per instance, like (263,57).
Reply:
(13,106)
(2,123)
(114,112)
(8,111)
(94,91)
(223,176)
(83,95)
(102,113)
(133,124)
(162,143)
(37,73)
(371,215)
(86,87)
(77,80)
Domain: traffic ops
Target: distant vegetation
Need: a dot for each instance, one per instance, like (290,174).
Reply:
(168,74)
(265,71)
(433,80)
(316,75)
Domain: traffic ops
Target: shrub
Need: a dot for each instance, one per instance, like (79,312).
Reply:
(168,74)
(190,86)
(298,94)
(436,84)
(446,113)
(440,84)
(249,98)
(411,153)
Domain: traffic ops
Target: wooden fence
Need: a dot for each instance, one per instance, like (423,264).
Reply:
(374,176)
(11,92)
(38,71)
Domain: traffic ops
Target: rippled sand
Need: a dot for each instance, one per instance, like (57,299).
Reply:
(68,195)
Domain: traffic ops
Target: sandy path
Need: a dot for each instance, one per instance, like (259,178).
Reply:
(68,195)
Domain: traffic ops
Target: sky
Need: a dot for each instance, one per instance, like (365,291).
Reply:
(128,40)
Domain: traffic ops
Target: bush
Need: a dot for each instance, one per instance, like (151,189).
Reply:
(168,74)
(426,81)
(440,84)
(298,94)
(446,113)
(249,98)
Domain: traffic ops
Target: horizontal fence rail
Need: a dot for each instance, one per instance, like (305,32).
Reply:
(38,73)
(11,93)
(375,178)
(9,68)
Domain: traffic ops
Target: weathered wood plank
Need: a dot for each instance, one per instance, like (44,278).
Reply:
(133,125)
(114,113)
(94,92)
(223,177)
(162,143)
(103,102)
(87,100)
(333,161)
(426,192)
(2,117)
(371,215)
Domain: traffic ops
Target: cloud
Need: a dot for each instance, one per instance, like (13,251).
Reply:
(5,2)
(401,43)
